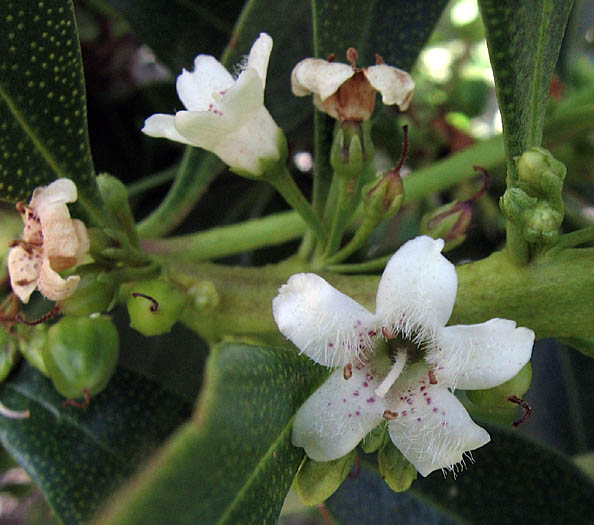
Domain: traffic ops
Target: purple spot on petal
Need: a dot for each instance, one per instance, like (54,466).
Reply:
(428,400)
(365,384)
(409,401)
(371,400)
(403,412)
(356,394)
(357,413)
(331,345)
(418,419)
(435,409)
(350,415)
(344,400)
(423,388)
(329,403)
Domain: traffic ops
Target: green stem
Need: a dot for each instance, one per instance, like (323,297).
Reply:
(345,200)
(368,266)
(152,181)
(361,235)
(284,183)
(196,171)
(516,246)
(228,240)
(570,240)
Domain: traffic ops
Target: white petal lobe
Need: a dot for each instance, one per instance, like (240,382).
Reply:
(260,55)
(338,415)
(480,356)
(326,325)
(417,291)
(395,85)
(433,429)
(314,75)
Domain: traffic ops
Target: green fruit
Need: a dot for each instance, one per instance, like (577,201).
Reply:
(154,306)
(498,397)
(82,354)
(95,292)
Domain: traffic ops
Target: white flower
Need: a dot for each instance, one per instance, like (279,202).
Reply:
(347,92)
(403,361)
(51,242)
(225,115)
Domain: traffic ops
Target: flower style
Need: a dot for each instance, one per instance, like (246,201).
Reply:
(51,242)
(225,115)
(347,92)
(399,364)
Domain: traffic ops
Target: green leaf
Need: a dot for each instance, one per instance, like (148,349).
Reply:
(510,480)
(524,39)
(584,344)
(43,128)
(235,462)
(78,457)
(396,29)
(513,480)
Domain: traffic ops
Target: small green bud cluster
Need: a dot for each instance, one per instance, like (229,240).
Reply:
(534,203)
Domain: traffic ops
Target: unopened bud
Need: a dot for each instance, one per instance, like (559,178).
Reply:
(384,196)
(115,199)
(352,149)
(316,481)
(204,296)
(395,469)
(498,397)
(539,172)
(449,222)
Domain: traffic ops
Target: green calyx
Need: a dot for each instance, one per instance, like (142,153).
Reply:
(316,481)
(96,292)
(155,306)
(533,203)
(81,355)
(394,468)
(373,441)
(498,397)
(352,148)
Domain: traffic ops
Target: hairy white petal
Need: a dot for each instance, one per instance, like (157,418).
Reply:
(260,55)
(314,75)
(244,98)
(196,89)
(322,322)
(482,355)
(163,126)
(432,428)
(338,415)
(395,85)
(417,291)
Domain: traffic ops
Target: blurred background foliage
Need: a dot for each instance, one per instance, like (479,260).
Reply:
(454,107)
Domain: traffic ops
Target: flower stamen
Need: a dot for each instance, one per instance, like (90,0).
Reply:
(348,371)
(393,374)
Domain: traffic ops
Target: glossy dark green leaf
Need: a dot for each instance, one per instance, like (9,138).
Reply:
(510,480)
(524,40)
(234,463)
(43,128)
(396,29)
(78,457)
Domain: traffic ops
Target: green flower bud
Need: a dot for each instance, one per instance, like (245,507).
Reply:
(154,306)
(498,397)
(383,197)
(373,441)
(316,481)
(8,353)
(115,199)
(394,468)
(539,173)
(542,223)
(204,296)
(352,149)
(81,355)
(32,344)
(96,292)
(449,222)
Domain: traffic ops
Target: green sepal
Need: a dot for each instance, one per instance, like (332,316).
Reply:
(383,196)
(115,200)
(8,353)
(316,481)
(498,397)
(448,222)
(373,441)
(352,148)
(394,468)
(585,345)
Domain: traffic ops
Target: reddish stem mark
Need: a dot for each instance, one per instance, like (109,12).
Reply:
(525,406)
(486,180)
(52,313)
(154,306)
(404,149)
(77,404)
(357,472)
(325,514)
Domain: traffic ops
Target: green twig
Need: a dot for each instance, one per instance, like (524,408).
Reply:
(152,181)
(196,171)
(367,266)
